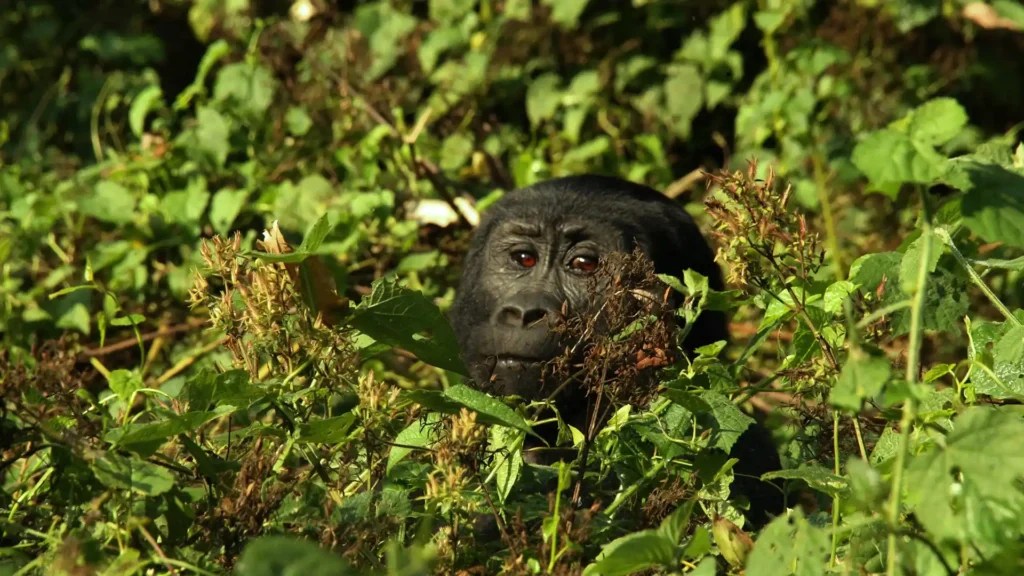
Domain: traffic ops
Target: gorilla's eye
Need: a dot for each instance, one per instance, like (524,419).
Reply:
(524,258)
(584,263)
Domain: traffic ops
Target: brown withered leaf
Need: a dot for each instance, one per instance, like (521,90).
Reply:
(325,293)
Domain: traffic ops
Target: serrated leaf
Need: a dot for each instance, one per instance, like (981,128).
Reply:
(729,421)
(284,556)
(406,319)
(110,202)
(862,378)
(631,554)
(817,477)
(489,410)
(123,473)
(983,450)
(936,121)
(890,157)
(789,545)
(993,207)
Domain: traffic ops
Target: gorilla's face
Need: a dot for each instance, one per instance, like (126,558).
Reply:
(533,258)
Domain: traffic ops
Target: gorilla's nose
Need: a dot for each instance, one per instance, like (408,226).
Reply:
(525,309)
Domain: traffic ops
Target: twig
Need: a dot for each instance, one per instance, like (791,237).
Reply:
(184,363)
(676,188)
(128,343)
(159,552)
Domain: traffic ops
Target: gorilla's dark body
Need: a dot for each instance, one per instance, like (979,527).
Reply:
(532,253)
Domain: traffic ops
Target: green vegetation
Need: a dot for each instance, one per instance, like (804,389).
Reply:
(182,393)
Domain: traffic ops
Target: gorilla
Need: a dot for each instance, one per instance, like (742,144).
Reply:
(530,262)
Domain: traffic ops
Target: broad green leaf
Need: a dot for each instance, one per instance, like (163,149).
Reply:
(543,98)
(983,452)
(419,434)
(146,100)
(210,136)
(286,556)
(836,293)
(226,206)
(631,554)
(890,157)
(566,12)
(186,207)
(298,121)
(247,86)
(325,430)
(507,445)
(862,378)
(993,207)
(910,266)
(867,487)
(489,409)
(937,121)
(455,151)
(817,477)
(1008,367)
(729,421)
(315,235)
(152,431)
(124,383)
(110,202)
(789,545)
(684,97)
(406,319)
(120,472)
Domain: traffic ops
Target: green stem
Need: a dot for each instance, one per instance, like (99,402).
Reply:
(975,277)
(835,499)
(634,487)
(909,406)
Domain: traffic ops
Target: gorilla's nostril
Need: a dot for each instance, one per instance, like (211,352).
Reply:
(531,317)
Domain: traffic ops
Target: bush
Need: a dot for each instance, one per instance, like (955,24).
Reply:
(229,231)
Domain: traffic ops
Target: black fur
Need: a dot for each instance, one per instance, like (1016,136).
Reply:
(499,301)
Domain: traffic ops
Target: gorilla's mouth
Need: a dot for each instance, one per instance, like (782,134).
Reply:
(518,360)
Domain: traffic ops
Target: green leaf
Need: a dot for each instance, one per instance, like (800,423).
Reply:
(993,207)
(315,236)
(489,410)
(226,206)
(507,445)
(120,472)
(110,202)
(982,451)
(789,545)
(729,421)
(890,157)
(566,12)
(862,378)
(543,98)
(406,319)
(684,97)
(937,121)
(149,98)
(124,383)
(910,266)
(419,434)
(325,430)
(817,477)
(186,207)
(297,121)
(211,136)
(152,431)
(1008,367)
(836,294)
(248,87)
(129,320)
(284,556)
(633,553)
(456,151)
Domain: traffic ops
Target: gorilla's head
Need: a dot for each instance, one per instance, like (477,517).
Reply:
(532,258)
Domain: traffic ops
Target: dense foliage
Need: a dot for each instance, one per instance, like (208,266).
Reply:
(229,230)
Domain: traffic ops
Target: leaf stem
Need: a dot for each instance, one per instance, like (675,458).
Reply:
(975,277)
